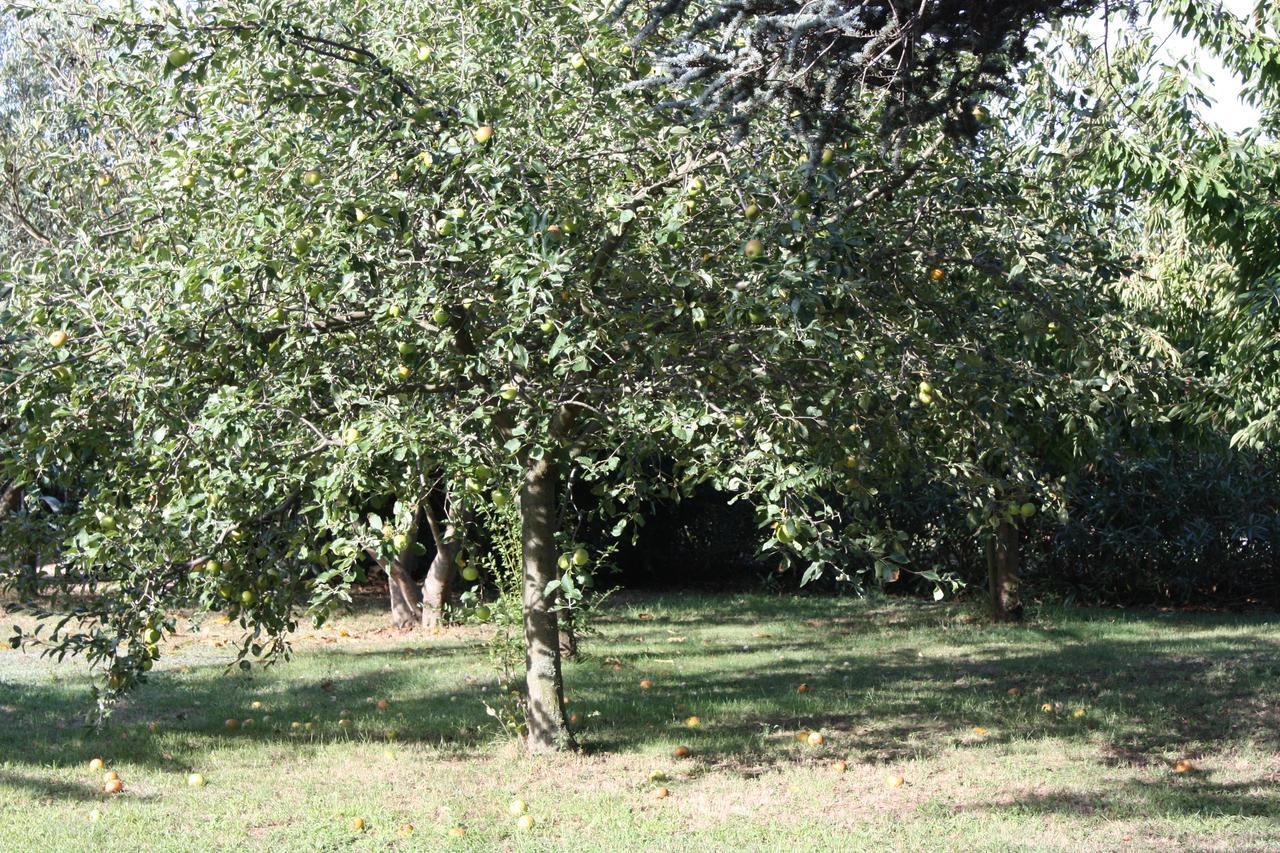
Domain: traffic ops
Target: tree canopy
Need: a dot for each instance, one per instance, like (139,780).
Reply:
(280,271)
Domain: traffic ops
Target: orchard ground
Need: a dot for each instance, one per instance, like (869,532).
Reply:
(954,706)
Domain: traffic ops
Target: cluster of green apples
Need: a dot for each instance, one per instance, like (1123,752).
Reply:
(230,586)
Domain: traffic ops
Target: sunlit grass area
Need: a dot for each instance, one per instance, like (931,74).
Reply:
(1064,733)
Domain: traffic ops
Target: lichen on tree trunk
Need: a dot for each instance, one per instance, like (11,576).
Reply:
(548,728)
(1003,546)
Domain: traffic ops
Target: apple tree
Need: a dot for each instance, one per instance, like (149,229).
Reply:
(295,259)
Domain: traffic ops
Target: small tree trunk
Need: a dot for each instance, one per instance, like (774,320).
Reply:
(548,729)
(439,580)
(10,496)
(405,598)
(1002,573)
(568,642)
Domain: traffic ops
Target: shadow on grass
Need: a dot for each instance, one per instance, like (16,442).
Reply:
(1150,799)
(887,682)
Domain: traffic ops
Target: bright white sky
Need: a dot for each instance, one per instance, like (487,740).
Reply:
(1228,111)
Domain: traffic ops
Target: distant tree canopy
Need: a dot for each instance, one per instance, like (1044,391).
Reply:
(819,58)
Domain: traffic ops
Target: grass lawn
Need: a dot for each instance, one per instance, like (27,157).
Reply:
(924,692)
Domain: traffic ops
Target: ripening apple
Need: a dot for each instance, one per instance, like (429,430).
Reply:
(547,325)
(300,246)
(311,177)
(828,156)
(195,780)
(500,498)
(482,134)
(751,211)
(980,114)
(581,557)
(517,807)
(937,274)
(753,249)
(403,371)
(525,822)
(483,613)
(405,348)
(58,339)
(97,765)
(508,392)
(400,541)
(696,186)
(470,574)
(352,435)
(424,53)
(563,562)
(104,180)
(106,522)
(187,182)
(925,398)
(179,57)
(1027,510)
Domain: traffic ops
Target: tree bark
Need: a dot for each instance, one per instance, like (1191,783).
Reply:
(548,728)
(1003,547)
(439,580)
(10,496)
(405,598)
(568,642)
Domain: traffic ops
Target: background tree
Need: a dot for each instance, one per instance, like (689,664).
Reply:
(822,62)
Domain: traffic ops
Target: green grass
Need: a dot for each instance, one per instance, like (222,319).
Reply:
(895,687)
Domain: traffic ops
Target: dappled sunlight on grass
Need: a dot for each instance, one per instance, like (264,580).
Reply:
(1075,719)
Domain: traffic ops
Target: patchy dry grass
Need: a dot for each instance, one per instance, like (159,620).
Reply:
(896,688)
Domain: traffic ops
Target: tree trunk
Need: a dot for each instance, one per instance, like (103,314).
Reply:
(405,598)
(1002,573)
(10,497)
(548,730)
(439,580)
(568,642)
